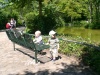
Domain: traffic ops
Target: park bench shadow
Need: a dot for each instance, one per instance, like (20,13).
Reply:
(41,57)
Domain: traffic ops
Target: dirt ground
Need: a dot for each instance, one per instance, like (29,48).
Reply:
(20,62)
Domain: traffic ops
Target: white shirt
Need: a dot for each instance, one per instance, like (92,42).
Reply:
(38,40)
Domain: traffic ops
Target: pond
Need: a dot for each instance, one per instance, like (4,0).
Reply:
(93,35)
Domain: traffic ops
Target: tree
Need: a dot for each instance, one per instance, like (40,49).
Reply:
(23,3)
(97,11)
(94,9)
(73,9)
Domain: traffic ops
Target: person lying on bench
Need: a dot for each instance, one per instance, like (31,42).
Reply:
(38,38)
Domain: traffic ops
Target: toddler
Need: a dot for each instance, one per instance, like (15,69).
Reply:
(38,37)
(54,44)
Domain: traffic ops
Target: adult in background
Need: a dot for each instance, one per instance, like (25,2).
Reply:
(8,25)
(13,23)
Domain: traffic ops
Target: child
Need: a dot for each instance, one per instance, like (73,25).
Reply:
(54,45)
(8,26)
(38,37)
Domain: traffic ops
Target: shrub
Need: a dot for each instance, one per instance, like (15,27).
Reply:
(92,26)
(70,48)
(83,23)
(3,20)
(29,18)
(91,57)
(42,23)
(34,22)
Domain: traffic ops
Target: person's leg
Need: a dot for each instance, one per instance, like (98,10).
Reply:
(54,54)
(54,57)
(51,54)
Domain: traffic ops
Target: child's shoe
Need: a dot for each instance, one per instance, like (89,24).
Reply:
(53,59)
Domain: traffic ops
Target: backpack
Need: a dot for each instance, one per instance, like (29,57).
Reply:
(8,26)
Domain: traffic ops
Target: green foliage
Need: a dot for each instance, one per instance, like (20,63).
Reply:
(92,26)
(53,10)
(48,21)
(13,14)
(70,48)
(3,20)
(94,13)
(91,57)
(29,18)
(73,8)
(82,23)
(42,23)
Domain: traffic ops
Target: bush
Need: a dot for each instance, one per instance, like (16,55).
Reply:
(92,26)
(80,23)
(33,22)
(83,23)
(91,57)
(42,23)
(70,48)
(3,20)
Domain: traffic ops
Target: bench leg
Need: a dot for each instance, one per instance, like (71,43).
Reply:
(14,46)
(36,61)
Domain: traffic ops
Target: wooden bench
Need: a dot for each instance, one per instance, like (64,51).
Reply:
(25,40)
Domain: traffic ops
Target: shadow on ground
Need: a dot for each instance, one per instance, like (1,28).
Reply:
(40,57)
(68,70)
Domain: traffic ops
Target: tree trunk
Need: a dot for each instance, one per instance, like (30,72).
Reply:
(71,21)
(90,11)
(40,7)
(97,12)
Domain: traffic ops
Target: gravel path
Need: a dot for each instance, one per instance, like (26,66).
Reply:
(16,63)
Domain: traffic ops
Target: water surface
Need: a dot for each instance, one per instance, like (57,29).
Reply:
(93,35)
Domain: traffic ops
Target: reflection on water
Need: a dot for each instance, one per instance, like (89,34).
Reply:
(93,35)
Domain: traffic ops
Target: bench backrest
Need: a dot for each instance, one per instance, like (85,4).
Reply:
(25,40)
(11,35)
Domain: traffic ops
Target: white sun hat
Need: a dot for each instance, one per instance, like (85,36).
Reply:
(52,32)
